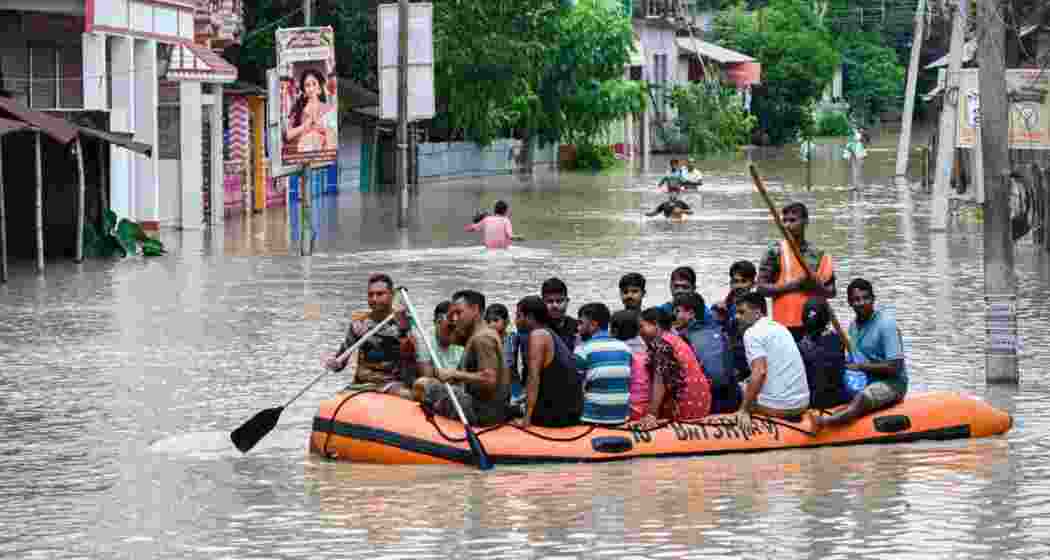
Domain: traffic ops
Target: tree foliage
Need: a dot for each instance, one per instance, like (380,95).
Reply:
(487,56)
(873,81)
(355,37)
(797,57)
(711,117)
(582,89)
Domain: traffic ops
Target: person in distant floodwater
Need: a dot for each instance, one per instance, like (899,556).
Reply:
(496,229)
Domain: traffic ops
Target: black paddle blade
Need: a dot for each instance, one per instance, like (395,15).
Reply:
(250,432)
(475,445)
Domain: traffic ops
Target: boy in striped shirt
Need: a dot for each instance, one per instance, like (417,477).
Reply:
(604,363)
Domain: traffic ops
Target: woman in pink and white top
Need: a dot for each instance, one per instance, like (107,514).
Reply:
(495,229)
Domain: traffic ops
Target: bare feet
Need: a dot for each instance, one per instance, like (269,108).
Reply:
(816,423)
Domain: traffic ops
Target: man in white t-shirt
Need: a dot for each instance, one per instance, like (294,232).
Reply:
(778,385)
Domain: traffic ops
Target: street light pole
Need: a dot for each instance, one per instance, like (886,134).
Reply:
(402,112)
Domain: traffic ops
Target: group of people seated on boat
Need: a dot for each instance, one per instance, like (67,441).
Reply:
(679,361)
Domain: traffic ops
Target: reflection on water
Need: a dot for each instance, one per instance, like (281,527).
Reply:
(121,381)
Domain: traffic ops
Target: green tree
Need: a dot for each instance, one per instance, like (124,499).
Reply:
(712,118)
(873,80)
(355,37)
(582,89)
(797,57)
(486,62)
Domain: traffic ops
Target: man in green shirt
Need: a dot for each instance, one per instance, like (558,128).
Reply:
(449,354)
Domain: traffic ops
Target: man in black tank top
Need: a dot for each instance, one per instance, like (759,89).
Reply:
(555,296)
(553,389)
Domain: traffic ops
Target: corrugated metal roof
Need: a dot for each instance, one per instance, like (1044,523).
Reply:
(711,51)
(970,48)
(60,130)
(8,125)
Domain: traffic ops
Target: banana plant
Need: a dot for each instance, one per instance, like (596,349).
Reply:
(119,238)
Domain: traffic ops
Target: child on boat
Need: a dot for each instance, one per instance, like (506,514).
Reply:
(680,390)
(496,229)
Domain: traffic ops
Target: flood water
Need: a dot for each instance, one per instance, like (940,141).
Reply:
(121,381)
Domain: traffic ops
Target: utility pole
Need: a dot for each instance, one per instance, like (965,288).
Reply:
(946,134)
(904,142)
(402,111)
(1000,289)
(306,235)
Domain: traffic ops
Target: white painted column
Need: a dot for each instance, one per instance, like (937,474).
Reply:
(218,174)
(147,190)
(94,72)
(191,208)
(122,119)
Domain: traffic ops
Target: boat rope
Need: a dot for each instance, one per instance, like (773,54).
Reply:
(335,414)
(428,413)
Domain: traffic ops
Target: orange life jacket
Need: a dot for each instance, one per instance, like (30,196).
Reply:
(787,308)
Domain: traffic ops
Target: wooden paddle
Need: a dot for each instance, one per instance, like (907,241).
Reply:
(248,434)
(482,457)
(796,251)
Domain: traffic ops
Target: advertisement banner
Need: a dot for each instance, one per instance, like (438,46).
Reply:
(1029,108)
(309,102)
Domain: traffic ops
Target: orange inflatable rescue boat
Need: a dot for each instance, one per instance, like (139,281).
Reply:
(370,427)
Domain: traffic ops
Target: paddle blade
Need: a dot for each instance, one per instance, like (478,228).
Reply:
(249,434)
(475,445)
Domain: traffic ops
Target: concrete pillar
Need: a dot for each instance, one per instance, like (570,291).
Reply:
(946,135)
(191,204)
(645,133)
(122,119)
(147,190)
(218,177)
(95,88)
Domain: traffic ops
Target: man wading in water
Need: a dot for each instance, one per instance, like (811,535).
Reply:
(383,359)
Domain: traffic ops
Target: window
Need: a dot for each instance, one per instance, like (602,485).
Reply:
(43,75)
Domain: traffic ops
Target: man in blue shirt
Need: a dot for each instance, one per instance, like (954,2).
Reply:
(683,281)
(741,281)
(878,352)
(604,363)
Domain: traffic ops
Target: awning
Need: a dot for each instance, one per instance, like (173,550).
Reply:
(190,61)
(933,93)
(8,125)
(688,46)
(122,139)
(60,130)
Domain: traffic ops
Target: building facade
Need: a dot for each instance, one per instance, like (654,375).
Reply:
(152,67)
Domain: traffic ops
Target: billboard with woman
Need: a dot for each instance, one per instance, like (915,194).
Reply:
(309,95)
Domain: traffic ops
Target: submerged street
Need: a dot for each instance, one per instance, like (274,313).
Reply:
(122,380)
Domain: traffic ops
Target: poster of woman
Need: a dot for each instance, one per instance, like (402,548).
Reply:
(309,95)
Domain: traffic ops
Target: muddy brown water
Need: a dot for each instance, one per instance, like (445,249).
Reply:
(121,381)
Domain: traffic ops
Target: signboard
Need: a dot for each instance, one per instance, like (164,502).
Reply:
(1029,92)
(420,61)
(309,102)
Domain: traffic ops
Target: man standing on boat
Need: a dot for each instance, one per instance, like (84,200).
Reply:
(481,380)
(778,385)
(783,278)
(383,359)
(877,352)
